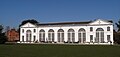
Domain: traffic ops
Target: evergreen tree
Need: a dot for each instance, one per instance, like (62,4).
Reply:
(3,38)
(117,34)
(118,25)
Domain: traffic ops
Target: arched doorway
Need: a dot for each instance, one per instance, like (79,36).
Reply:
(51,35)
(99,35)
(60,35)
(28,36)
(42,35)
(82,35)
(71,35)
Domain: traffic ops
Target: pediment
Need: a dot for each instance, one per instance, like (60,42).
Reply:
(99,21)
(28,25)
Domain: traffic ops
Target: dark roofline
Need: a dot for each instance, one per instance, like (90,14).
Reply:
(69,23)
(65,23)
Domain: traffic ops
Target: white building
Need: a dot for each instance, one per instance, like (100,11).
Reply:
(89,32)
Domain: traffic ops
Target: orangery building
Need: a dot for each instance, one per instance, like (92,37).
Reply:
(88,32)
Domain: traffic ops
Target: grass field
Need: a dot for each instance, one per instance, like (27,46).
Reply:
(50,50)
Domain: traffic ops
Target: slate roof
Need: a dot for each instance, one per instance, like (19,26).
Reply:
(65,23)
(69,23)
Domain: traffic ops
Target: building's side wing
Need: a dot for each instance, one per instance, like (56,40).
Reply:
(102,30)
(26,29)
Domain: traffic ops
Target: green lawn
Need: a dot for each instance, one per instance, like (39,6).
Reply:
(49,50)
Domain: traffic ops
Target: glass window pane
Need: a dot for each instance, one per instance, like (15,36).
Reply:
(91,28)
(108,38)
(28,35)
(22,38)
(34,30)
(91,38)
(108,28)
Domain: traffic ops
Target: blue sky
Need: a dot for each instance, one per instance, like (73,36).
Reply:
(13,12)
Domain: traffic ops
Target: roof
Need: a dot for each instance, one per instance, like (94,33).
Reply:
(68,23)
(64,23)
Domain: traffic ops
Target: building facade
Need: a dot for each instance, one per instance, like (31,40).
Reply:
(89,32)
(12,35)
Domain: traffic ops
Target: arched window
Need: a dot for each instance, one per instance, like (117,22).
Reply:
(42,35)
(81,35)
(51,35)
(60,35)
(71,35)
(28,35)
(99,35)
